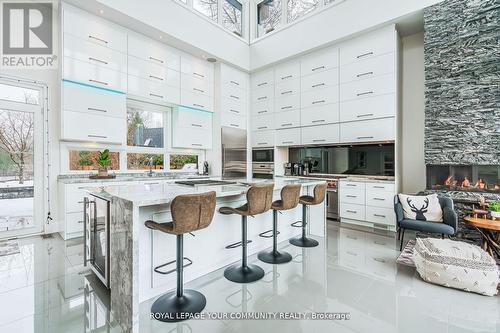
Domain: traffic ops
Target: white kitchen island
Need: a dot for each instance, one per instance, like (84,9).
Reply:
(135,250)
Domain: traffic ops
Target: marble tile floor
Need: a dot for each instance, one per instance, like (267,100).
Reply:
(46,289)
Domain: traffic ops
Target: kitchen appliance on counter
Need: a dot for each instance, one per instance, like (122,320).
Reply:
(96,220)
(263,155)
(234,153)
(288,169)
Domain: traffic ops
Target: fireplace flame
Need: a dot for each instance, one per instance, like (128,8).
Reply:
(465,182)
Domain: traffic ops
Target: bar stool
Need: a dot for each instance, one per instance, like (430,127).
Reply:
(307,200)
(290,195)
(190,212)
(259,200)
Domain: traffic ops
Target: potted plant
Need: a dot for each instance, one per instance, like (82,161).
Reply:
(104,161)
(85,160)
(494,209)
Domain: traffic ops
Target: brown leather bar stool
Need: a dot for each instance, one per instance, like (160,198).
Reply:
(307,200)
(259,200)
(190,212)
(290,195)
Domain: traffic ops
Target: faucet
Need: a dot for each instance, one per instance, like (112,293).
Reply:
(150,163)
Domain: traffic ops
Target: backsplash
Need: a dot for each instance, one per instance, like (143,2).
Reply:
(462,108)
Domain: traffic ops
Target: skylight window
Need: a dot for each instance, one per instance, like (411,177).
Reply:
(207,8)
(232,16)
(299,8)
(268,16)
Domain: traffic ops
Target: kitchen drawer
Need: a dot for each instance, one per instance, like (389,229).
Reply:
(368,46)
(262,108)
(288,137)
(80,98)
(380,215)
(92,28)
(352,211)
(95,54)
(321,134)
(380,186)
(320,80)
(380,85)
(319,61)
(197,68)
(318,97)
(233,77)
(368,130)
(153,72)
(345,184)
(379,198)
(318,115)
(262,79)
(374,241)
(74,200)
(153,52)
(287,103)
(287,119)
(263,138)
(87,73)
(194,138)
(233,106)
(263,122)
(234,120)
(197,100)
(197,85)
(153,90)
(368,108)
(74,222)
(287,72)
(352,196)
(287,88)
(80,126)
(263,94)
(190,118)
(361,70)
(231,92)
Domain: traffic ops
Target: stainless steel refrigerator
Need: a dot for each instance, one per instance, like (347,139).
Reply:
(234,153)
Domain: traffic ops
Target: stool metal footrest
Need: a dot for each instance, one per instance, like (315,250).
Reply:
(157,268)
(237,244)
(263,234)
(297,224)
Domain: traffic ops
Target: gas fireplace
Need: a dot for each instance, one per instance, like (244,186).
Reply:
(473,178)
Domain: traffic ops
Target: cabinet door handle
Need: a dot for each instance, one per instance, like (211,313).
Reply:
(262,98)
(379,215)
(287,124)
(98,60)
(99,82)
(364,137)
(262,127)
(156,59)
(199,75)
(286,142)
(364,55)
(263,111)
(196,125)
(235,111)
(287,92)
(234,125)
(199,90)
(233,96)
(97,136)
(98,39)
(261,84)
(378,186)
(262,143)
(198,105)
(319,140)
(155,95)
(286,77)
(353,185)
(318,121)
(351,196)
(379,199)
(286,107)
(318,102)
(96,109)
(317,85)
(351,211)
(317,68)
(365,93)
(351,237)
(156,77)
(379,260)
(196,144)
(234,82)
(364,74)
(364,115)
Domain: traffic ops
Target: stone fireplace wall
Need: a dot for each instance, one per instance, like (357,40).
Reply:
(462,73)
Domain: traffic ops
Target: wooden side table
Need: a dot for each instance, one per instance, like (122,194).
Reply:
(489,230)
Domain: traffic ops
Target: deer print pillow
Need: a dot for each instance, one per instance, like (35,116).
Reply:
(424,208)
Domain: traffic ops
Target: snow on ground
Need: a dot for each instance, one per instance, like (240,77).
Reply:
(16,213)
(15,183)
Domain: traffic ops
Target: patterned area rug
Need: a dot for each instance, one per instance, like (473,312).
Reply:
(8,247)
(405,258)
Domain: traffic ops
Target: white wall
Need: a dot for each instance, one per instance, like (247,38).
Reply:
(413,164)
(329,26)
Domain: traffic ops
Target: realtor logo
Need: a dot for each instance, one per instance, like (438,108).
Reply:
(27,29)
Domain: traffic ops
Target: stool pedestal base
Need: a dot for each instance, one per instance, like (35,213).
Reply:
(304,242)
(243,274)
(173,308)
(274,257)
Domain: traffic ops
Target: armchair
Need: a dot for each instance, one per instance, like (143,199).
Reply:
(448,227)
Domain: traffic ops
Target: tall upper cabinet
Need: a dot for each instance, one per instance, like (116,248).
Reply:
(233,85)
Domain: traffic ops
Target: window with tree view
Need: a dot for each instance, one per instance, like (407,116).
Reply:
(144,128)
(87,160)
(268,16)
(207,8)
(137,161)
(183,162)
(299,8)
(231,16)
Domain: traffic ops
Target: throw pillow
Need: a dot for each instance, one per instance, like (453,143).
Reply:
(423,208)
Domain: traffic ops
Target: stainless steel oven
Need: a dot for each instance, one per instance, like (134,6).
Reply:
(262,155)
(96,235)
(263,169)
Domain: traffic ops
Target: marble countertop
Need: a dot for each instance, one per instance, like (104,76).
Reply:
(128,177)
(164,193)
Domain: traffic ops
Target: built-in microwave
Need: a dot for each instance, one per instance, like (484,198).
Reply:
(263,155)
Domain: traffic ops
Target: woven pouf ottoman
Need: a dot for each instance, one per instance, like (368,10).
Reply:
(457,265)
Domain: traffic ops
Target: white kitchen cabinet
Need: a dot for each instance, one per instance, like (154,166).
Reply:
(263,122)
(197,100)
(320,80)
(287,72)
(262,108)
(89,27)
(286,88)
(352,211)
(319,115)
(233,77)
(231,92)
(263,138)
(191,130)
(153,52)
(87,73)
(229,105)
(287,119)
(369,45)
(234,120)
(322,134)
(287,103)
(233,97)
(197,85)
(264,94)
(153,72)
(383,129)
(352,196)
(380,198)
(262,79)
(89,100)
(380,85)
(319,61)
(380,215)
(189,118)
(288,137)
(368,108)
(380,65)
(195,67)
(317,97)
(79,126)
(153,90)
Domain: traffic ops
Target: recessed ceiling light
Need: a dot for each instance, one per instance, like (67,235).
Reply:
(101,11)
(161,36)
